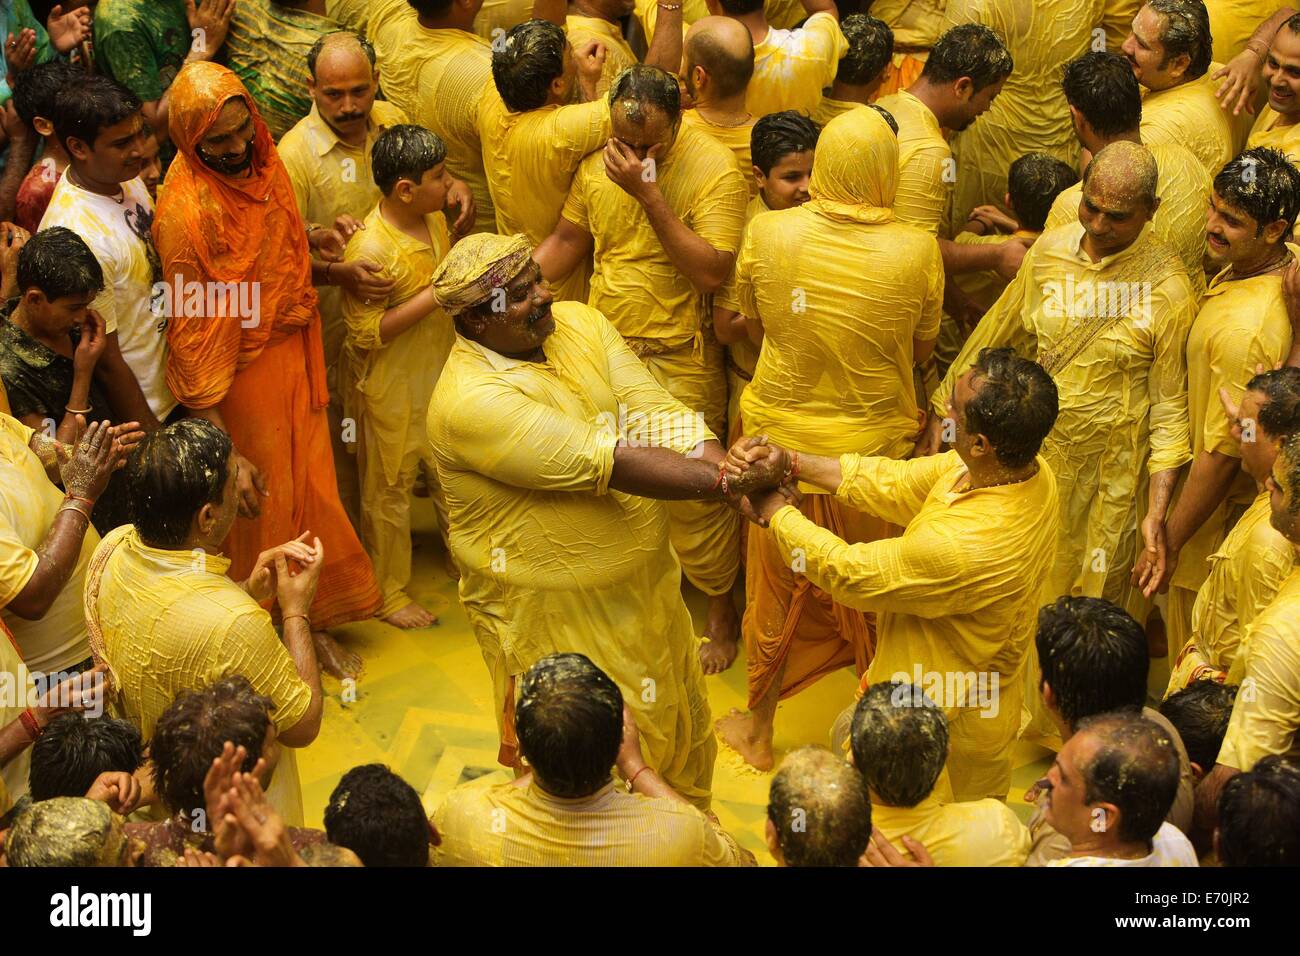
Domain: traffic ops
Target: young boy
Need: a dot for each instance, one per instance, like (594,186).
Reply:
(34,93)
(862,69)
(395,349)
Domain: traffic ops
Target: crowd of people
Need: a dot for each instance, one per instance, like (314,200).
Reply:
(951,342)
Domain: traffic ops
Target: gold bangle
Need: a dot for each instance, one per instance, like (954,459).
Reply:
(77,411)
(669,6)
(72,505)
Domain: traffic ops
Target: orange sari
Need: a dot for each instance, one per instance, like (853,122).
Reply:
(227,243)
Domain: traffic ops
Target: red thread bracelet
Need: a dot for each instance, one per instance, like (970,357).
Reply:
(31,724)
(632,781)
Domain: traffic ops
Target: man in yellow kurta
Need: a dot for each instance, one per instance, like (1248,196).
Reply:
(916,25)
(1233,21)
(165,617)
(861,72)
(662,209)
(1106,107)
(792,66)
(719,63)
(1254,559)
(848,299)
(1030,114)
(534,135)
(899,741)
(1278,124)
(598,21)
(1105,307)
(434,69)
(395,348)
(1169,50)
(547,432)
(1242,325)
(955,595)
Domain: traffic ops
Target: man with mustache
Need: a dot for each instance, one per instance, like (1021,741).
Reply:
(1278,124)
(228,231)
(551,440)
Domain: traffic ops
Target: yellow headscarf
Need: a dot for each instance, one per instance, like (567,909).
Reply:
(475,266)
(855,171)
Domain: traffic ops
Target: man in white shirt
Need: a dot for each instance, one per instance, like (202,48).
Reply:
(102,199)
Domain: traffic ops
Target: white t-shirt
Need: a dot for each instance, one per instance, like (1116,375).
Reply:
(119,234)
(1169,847)
(29,503)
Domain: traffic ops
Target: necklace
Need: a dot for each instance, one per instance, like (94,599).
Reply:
(1265,269)
(999,484)
(76,181)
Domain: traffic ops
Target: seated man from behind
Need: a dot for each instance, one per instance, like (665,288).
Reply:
(572,727)
(165,617)
(377,815)
(1109,790)
(900,746)
(818,813)
(70,831)
(1200,713)
(1259,816)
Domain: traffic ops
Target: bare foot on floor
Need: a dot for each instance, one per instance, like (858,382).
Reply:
(334,659)
(722,636)
(410,617)
(736,730)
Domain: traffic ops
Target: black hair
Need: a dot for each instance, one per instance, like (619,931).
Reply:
(90,104)
(871,46)
(405,152)
(525,63)
(972,50)
(1259,815)
(36,91)
(1102,87)
(378,816)
(738,8)
(1262,183)
(888,116)
(430,8)
(1094,657)
(1135,767)
(1200,714)
(171,475)
(313,55)
(1014,406)
(59,263)
(192,732)
(820,809)
(75,749)
(643,86)
(1034,181)
(1187,30)
(1280,415)
(899,739)
(777,135)
(570,724)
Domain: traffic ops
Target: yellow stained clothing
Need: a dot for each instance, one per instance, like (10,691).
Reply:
(828,109)
(1244,576)
(436,77)
(551,559)
(496,17)
(1031,112)
(331,178)
(957,593)
(530,159)
(985,286)
(1270,130)
(173,621)
(1190,116)
(792,67)
(974,833)
(1184,188)
(1122,392)
(13,776)
(742,356)
(609,828)
(29,504)
(618,55)
(1267,710)
(1242,325)
(1233,21)
(735,138)
(1117,20)
(781,14)
(925,169)
(387,387)
(917,24)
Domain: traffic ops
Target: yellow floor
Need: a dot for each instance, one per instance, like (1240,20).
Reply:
(423,707)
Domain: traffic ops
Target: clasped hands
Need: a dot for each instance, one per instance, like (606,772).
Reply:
(760,478)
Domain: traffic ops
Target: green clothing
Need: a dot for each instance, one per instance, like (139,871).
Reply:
(142,43)
(16,16)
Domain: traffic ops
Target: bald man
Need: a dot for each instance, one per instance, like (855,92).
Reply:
(719,65)
(818,811)
(1105,307)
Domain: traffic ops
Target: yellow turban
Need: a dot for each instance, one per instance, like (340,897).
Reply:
(475,266)
(855,171)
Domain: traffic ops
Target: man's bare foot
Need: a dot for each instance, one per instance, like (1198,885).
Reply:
(737,731)
(334,659)
(410,617)
(722,635)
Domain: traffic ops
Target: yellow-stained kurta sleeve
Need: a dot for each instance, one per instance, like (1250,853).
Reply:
(888,488)
(251,648)
(1174,305)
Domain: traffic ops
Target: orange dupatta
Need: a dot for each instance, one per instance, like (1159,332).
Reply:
(212,228)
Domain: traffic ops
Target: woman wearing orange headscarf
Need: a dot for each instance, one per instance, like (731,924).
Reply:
(245,340)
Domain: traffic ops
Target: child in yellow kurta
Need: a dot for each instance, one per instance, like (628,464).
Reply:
(395,350)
